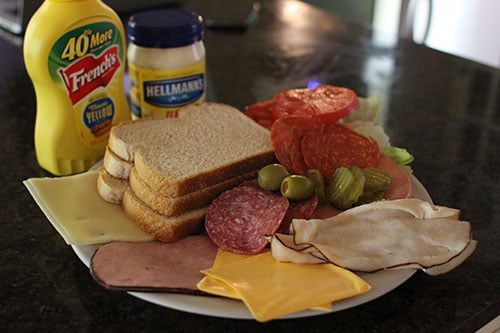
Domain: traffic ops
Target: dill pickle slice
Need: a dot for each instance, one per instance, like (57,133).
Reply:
(376,183)
(319,184)
(370,196)
(345,187)
(356,188)
(376,180)
(339,186)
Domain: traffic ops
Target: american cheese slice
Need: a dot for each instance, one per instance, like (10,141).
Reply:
(76,211)
(220,288)
(217,287)
(271,289)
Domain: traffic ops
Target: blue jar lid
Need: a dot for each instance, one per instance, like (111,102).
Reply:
(164,28)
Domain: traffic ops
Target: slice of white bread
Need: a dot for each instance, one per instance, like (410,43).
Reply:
(110,188)
(162,228)
(169,206)
(115,165)
(206,145)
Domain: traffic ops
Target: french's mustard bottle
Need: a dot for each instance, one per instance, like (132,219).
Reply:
(74,52)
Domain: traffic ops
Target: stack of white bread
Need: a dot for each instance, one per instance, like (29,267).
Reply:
(165,172)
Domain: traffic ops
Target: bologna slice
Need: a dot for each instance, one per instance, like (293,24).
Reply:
(400,187)
(155,266)
(239,219)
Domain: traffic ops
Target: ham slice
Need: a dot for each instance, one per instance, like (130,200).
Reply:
(171,267)
(390,234)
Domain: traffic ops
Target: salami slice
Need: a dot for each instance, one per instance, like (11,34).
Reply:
(261,113)
(239,219)
(325,102)
(298,210)
(328,146)
(286,139)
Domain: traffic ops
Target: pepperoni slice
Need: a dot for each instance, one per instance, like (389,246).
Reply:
(286,139)
(261,113)
(239,219)
(329,146)
(325,102)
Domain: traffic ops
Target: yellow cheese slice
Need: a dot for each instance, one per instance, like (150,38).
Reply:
(271,289)
(78,213)
(220,288)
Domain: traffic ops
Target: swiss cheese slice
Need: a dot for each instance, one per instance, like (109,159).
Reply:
(271,289)
(77,212)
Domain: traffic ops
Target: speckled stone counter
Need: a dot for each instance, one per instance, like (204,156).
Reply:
(443,109)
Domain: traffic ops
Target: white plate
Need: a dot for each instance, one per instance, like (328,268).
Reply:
(381,282)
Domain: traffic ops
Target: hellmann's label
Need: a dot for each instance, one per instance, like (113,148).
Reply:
(161,93)
(83,62)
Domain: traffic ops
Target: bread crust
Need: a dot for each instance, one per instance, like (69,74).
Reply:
(115,165)
(171,206)
(175,188)
(177,155)
(162,228)
(110,188)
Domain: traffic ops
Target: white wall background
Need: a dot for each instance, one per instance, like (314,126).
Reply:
(468,28)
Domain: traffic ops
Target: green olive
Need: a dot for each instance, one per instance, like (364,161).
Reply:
(270,176)
(297,187)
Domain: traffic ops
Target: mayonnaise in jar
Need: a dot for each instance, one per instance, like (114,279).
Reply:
(166,62)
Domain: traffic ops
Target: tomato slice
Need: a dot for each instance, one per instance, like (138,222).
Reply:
(261,113)
(325,102)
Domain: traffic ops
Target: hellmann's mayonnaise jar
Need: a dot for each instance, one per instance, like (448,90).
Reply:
(74,52)
(166,61)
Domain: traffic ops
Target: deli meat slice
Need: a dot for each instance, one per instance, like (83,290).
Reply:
(400,187)
(298,210)
(286,139)
(303,143)
(329,146)
(157,266)
(239,219)
(389,234)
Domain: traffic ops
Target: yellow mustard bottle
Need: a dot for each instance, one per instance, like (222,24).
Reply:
(74,53)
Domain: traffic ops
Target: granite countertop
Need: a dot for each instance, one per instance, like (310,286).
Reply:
(443,109)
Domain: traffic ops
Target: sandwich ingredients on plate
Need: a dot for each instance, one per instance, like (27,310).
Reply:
(306,182)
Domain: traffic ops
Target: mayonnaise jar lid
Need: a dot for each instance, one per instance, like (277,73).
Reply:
(165,28)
